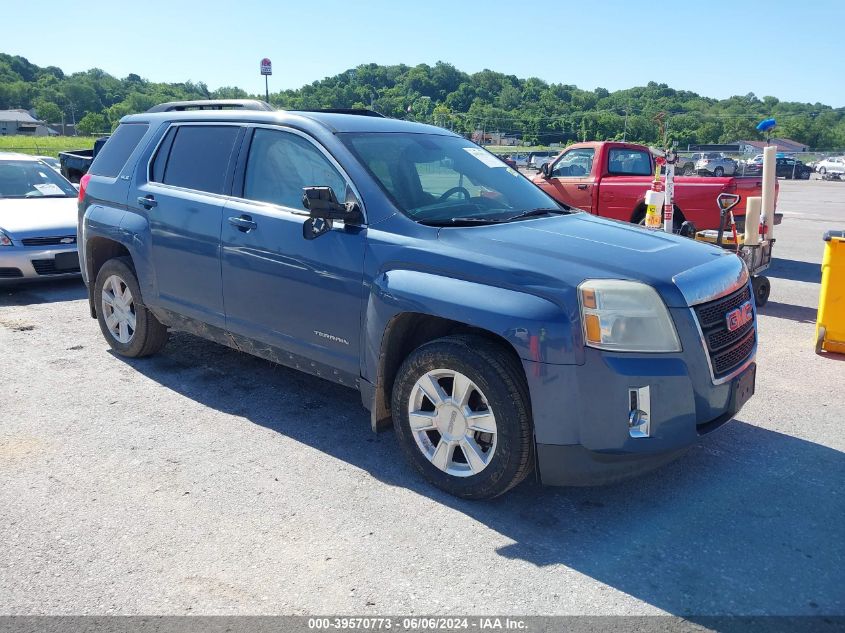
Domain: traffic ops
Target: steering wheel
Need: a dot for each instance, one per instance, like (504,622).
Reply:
(450,192)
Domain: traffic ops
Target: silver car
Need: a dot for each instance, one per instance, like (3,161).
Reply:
(715,164)
(37,221)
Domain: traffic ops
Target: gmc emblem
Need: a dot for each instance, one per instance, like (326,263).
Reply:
(739,317)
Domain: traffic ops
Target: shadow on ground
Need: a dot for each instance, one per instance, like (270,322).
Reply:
(800,314)
(750,521)
(29,293)
(795,270)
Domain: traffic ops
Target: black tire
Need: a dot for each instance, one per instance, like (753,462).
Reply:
(500,378)
(822,171)
(718,172)
(761,287)
(149,335)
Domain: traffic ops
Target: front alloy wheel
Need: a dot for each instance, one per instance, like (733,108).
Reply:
(452,422)
(462,415)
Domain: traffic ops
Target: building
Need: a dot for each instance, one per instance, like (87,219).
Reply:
(14,122)
(783,144)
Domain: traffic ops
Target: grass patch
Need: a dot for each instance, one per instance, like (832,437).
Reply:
(45,145)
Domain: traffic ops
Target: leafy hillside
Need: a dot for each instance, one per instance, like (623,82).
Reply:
(441,94)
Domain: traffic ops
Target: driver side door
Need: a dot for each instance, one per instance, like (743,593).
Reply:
(571,178)
(292,300)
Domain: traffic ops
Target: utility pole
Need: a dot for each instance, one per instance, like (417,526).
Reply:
(625,131)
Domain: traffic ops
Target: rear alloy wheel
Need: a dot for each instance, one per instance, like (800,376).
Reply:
(718,172)
(118,307)
(128,326)
(461,414)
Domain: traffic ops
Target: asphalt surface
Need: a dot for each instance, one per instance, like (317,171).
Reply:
(205,481)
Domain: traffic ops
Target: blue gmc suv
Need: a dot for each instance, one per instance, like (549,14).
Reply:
(496,331)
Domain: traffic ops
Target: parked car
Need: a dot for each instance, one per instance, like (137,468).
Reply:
(787,168)
(74,163)
(715,164)
(686,164)
(610,179)
(52,161)
(831,165)
(536,160)
(37,221)
(521,161)
(495,330)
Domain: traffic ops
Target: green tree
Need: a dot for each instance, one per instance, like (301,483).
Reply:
(48,111)
(92,123)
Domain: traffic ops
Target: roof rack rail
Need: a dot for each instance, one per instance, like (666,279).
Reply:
(356,111)
(213,104)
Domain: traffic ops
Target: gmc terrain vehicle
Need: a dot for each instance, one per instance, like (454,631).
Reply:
(495,330)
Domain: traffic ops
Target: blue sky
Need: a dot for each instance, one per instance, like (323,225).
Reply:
(717,49)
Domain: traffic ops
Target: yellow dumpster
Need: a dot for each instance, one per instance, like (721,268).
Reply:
(830,325)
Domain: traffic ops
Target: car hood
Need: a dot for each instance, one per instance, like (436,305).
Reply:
(20,217)
(563,251)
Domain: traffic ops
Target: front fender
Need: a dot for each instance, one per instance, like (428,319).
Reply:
(536,328)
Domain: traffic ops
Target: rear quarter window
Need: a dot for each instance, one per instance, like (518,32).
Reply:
(117,150)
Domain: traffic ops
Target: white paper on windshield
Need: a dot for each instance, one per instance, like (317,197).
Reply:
(485,157)
(49,189)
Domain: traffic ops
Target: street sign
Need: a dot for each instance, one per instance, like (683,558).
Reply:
(266,67)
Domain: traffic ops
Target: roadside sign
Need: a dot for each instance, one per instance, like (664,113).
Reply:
(266,67)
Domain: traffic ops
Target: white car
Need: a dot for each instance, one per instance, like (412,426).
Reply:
(831,165)
(37,221)
(52,161)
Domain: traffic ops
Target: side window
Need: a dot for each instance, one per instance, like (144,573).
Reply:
(160,161)
(629,162)
(280,164)
(575,162)
(199,157)
(117,149)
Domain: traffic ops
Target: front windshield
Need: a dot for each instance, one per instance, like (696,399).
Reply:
(444,180)
(32,179)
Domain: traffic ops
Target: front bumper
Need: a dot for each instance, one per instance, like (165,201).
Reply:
(581,412)
(24,264)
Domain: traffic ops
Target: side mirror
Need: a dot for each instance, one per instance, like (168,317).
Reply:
(323,208)
(545,170)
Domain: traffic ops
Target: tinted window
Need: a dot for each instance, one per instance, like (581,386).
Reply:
(117,149)
(281,164)
(163,152)
(629,162)
(199,157)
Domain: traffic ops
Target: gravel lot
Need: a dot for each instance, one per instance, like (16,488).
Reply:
(206,481)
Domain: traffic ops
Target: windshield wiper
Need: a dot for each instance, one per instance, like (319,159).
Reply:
(459,221)
(530,213)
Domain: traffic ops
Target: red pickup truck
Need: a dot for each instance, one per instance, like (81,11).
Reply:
(610,179)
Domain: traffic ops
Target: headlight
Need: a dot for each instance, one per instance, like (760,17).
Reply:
(626,316)
(4,239)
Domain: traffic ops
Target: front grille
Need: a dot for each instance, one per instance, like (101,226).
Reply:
(10,273)
(48,267)
(48,241)
(727,350)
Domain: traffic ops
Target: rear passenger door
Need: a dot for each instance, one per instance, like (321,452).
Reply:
(302,297)
(190,177)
